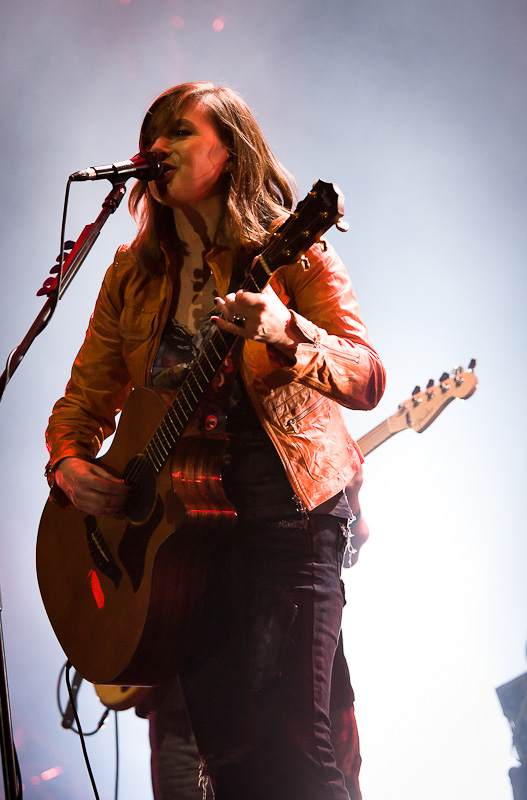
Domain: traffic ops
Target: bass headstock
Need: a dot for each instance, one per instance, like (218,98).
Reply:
(423,407)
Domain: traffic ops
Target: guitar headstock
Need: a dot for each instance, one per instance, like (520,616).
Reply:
(322,207)
(422,408)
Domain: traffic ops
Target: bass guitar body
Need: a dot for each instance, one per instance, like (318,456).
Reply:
(121,698)
(122,594)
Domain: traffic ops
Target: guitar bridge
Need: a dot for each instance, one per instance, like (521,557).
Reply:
(100,553)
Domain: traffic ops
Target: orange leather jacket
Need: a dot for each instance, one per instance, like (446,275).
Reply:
(297,399)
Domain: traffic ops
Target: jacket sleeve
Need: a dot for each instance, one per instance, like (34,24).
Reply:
(98,386)
(339,360)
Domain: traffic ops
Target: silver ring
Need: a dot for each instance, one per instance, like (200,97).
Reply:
(239,321)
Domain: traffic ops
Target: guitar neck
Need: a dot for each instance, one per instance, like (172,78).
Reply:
(380,434)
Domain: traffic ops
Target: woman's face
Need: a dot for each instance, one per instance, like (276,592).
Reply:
(195,160)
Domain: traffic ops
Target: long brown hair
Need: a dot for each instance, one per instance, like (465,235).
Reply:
(259,188)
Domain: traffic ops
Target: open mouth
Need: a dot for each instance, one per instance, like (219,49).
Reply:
(168,170)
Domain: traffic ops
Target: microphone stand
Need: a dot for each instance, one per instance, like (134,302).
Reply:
(9,762)
(54,288)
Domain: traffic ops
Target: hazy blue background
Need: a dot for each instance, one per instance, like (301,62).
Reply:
(417,109)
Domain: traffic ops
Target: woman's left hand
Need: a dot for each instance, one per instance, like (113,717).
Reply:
(260,316)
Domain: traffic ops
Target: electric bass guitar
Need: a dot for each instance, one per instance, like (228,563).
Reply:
(417,413)
(121,594)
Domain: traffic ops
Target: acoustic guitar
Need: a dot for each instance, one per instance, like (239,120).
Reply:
(121,594)
(417,413)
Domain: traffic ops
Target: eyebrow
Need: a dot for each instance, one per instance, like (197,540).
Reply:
(181,121)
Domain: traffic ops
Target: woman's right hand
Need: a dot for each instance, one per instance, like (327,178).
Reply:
(90,488)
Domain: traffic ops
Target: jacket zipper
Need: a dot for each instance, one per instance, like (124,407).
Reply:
(316,344)
(292,422)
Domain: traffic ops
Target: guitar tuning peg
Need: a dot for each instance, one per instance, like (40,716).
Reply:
(47,287)
(323,244)
(430,383)
(68,245)
(472,364)
(444,377)
(416,400)
(304,262)
(457,374)
(342,226)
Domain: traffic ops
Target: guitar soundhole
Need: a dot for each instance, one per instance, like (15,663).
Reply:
(141,477)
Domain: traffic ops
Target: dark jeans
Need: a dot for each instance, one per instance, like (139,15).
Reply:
(257,680)
(175,759)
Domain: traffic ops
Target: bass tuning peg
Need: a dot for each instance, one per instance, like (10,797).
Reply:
(415,399)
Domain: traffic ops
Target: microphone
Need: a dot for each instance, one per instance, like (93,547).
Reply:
(145,166)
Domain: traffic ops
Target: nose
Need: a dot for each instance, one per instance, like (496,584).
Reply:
(161,146)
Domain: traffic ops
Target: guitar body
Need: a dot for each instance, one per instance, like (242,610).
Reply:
(122,594)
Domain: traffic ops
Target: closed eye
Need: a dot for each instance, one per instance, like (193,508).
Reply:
(179,129)
(179,132)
